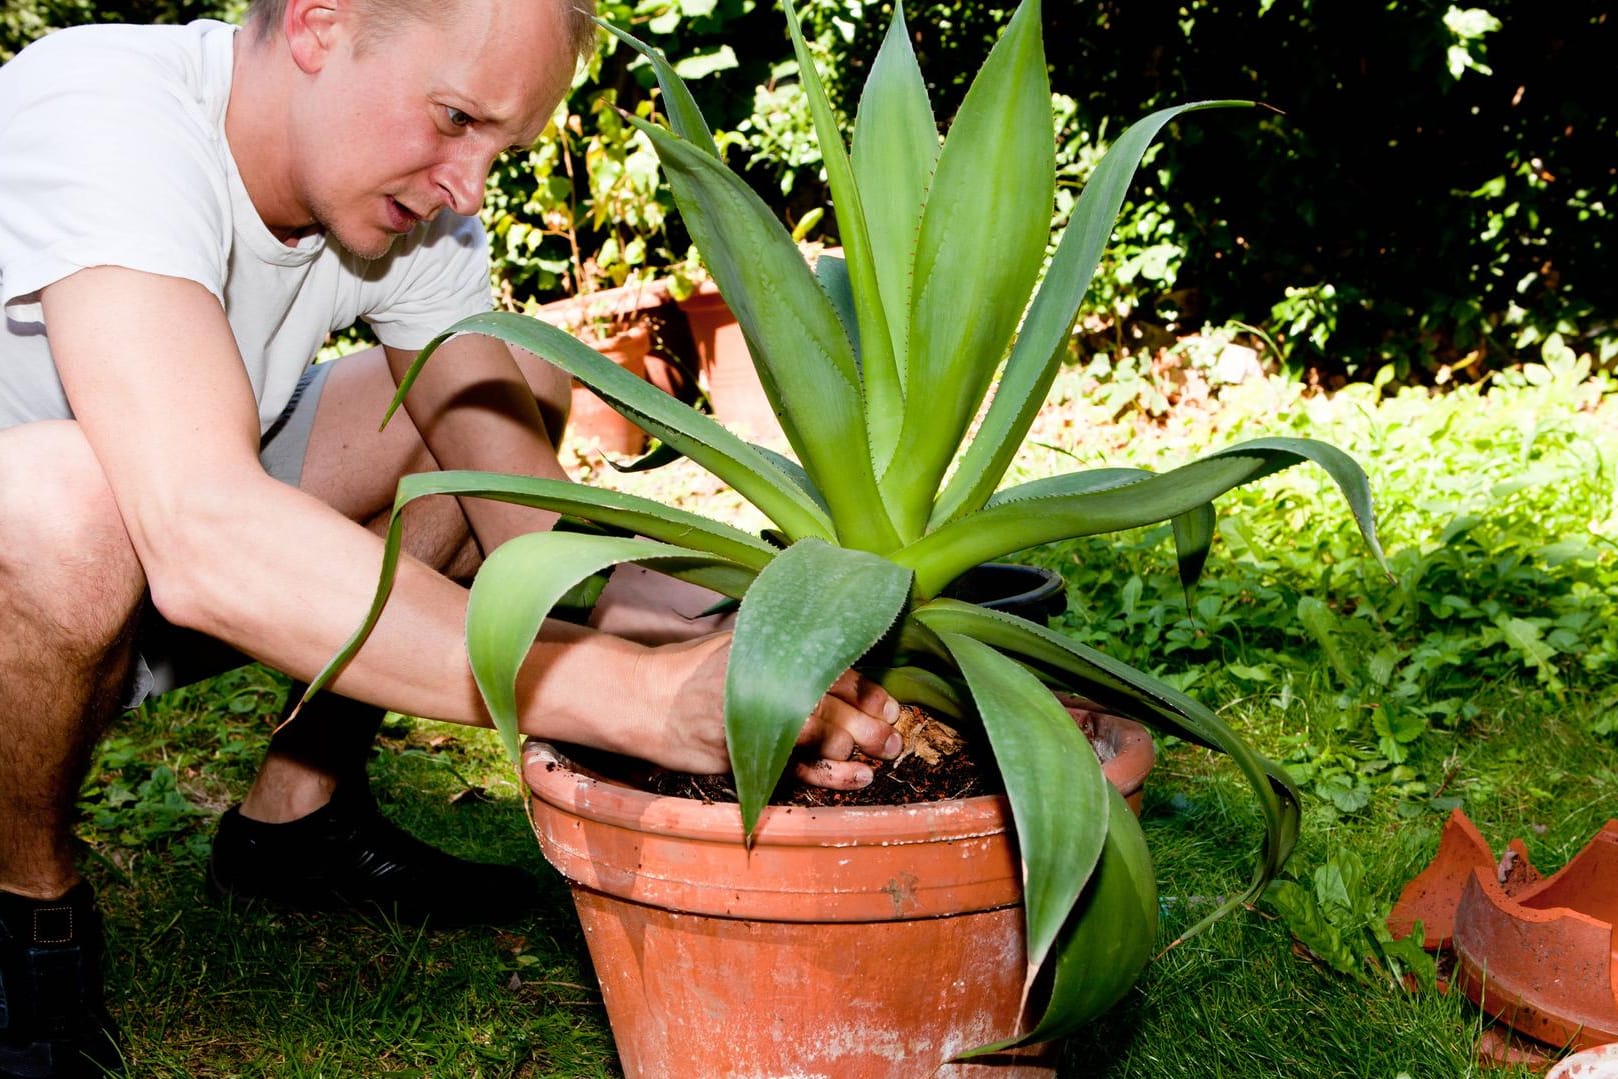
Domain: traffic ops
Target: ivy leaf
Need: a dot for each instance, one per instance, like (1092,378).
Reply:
(1340,888)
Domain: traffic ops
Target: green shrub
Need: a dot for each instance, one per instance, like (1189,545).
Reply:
(22,21)
(1438,193)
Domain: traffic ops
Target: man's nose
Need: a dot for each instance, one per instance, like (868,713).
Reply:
(461,179)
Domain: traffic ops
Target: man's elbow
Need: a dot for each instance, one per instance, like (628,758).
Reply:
(194,565)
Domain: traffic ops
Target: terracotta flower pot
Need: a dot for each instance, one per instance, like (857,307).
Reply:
(726,365)
(593,420)
(848,943)
(1541,956)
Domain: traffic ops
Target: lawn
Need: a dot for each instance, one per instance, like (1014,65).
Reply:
(1479,678)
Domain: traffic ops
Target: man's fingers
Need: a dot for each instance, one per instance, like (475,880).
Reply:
(837,745)
(838,728)
(865,695)
(855,714)
(836,775)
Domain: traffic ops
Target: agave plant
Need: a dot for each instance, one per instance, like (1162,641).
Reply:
(877,367)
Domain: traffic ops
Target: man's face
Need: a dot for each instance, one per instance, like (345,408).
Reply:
(409,125)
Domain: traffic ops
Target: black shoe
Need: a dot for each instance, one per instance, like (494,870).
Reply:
(346,855)
(53,1022)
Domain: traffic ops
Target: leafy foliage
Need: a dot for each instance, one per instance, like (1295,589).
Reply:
(1498,507)
(22,21)
(586,207)
(1339,923)
(138,799)
(1469,206)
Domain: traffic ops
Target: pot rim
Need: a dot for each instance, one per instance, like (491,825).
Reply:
(1048,582)
(564,783)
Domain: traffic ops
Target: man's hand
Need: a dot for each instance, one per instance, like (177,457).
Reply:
(855,714)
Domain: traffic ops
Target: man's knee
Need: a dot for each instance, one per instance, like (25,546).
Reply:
(553,391)
(68,572)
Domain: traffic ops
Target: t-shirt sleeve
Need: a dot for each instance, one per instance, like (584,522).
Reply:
(439,276)
(102,168)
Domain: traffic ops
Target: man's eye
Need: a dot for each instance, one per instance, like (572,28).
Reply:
(459,118)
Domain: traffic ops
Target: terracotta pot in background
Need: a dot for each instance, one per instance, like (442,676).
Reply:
(726,365)
(670,359)
(848,943)
(593,420)
(620,305)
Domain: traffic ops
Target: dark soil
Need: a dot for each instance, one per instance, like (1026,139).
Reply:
(967,772)
(903,782)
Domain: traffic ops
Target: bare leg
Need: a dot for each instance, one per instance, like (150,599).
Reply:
(70,595)
(355,468)
(654,608)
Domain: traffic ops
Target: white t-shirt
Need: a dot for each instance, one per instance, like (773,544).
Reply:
(113,152)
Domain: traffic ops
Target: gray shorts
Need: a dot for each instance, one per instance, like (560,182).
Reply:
(166,656)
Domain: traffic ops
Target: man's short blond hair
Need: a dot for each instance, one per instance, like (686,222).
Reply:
(380,17)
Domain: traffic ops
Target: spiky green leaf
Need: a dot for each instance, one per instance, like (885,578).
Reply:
(1070,483)
(1107,939)
(1053,780)
(1118,687)
(616,509)
(808,617)
(697,436)
(744,554)
(880,375)
(927,689)
(982,239)
(1193,538)
(896,147)
(659,455)
(513,594)
(832,273)
(804,359)
(684,116)
(1343,469)
(1042,341)
(1048,512)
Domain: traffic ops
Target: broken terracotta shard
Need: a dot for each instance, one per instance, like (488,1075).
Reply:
(1535,952)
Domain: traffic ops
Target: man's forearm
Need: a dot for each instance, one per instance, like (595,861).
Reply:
(152,372)
(295,612)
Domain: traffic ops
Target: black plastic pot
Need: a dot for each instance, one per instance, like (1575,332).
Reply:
(1030,592)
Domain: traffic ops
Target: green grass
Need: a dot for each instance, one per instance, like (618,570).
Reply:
(1238,1002)
(1480,679)
(205,990)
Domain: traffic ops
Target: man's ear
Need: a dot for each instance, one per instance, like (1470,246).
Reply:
(311,28)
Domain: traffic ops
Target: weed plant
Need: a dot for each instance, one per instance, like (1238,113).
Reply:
(1479,679)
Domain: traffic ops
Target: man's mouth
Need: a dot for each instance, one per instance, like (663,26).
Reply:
(401,218)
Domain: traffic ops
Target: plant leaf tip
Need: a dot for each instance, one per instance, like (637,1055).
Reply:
(279,727)
(1169,947)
